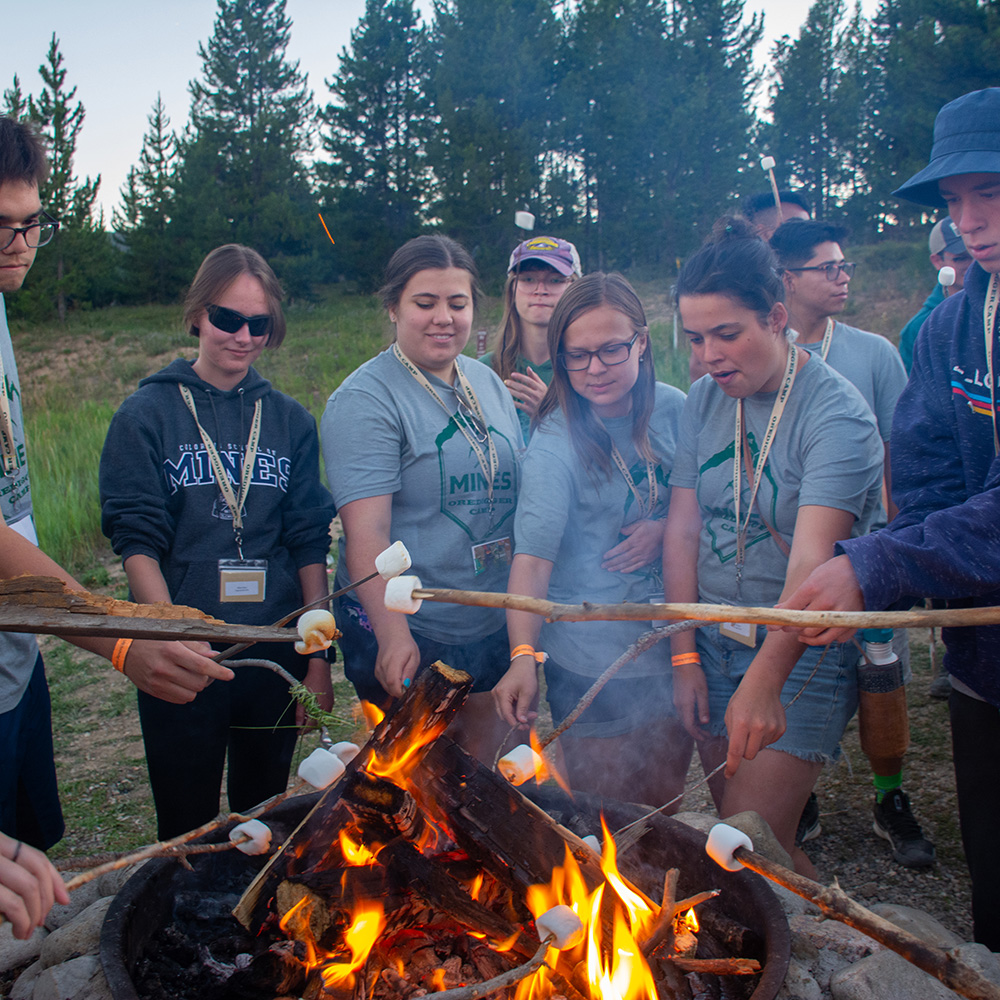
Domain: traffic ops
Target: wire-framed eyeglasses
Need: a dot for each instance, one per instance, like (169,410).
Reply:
(609,354)
(36,235)
(832,271)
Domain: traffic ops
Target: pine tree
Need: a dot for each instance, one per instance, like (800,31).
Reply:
(242,177)
(78,266)
(377,182)
(143,220)
(492,86)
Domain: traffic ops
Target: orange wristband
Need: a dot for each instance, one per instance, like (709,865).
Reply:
(681,659)
(526,650)
(119,653)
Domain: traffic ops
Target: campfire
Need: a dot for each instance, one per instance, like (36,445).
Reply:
(422,871)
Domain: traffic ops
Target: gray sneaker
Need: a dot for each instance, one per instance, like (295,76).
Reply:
(940,687)
(895,822)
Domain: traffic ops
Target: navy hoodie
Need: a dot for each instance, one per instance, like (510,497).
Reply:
(945,542)
(159,496)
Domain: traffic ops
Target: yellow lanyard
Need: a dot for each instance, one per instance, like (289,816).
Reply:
(468,396)
(650,476)
(824,348)
(989,318)
(765,447)
(234,503)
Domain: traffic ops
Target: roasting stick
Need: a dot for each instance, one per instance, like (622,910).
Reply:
(389,563)
(551,611)
(767,165)
(732,849)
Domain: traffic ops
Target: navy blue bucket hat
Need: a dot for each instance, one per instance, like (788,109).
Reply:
(966,141)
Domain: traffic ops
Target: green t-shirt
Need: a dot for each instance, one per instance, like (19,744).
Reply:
(543,371)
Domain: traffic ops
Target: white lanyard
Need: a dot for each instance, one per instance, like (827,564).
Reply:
(758,474)
(650,476)
(989,318)
(8,447)
(489,467)
(234,503)
(824,348)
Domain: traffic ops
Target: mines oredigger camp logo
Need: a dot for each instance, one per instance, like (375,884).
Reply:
(465,489)
(715,495)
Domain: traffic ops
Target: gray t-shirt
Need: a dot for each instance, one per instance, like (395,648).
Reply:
(870,363)
(382,433)
(18,651)
(572,518)
(826,452)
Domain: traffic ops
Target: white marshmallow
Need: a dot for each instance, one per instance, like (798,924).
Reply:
(723,840)
(259,835)
(593,843)
(524,220)
(317,629)
(767,163)
(563,924)
(520,765)
(946,276)
(321,768)
(399,594)
(345,751)
(392,561)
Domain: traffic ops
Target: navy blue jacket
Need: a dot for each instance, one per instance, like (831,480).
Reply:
(159,496)
(945,542)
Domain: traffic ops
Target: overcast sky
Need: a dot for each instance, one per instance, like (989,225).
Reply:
(119,54)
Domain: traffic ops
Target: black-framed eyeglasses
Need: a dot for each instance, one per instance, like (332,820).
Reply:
(832,271)
(552,282)
(230,321)
(609,354)
(36,235)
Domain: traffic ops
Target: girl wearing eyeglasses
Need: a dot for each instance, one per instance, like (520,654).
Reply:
(778,458)
(210,493)
(590,527)
(421,444)
(540,271)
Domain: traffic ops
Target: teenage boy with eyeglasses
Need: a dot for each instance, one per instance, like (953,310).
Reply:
(817,278)
(945,540)
(29,801)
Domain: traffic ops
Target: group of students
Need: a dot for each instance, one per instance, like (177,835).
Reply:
(558,468)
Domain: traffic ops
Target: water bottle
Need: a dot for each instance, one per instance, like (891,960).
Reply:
(882,719)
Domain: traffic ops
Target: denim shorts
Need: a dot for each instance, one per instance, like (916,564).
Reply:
(817,719)
(485,659)
(621,706)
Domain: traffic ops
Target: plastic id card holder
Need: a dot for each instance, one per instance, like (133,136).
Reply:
(487,555)
(745,632)
(242,580)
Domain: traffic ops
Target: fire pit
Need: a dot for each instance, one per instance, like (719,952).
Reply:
(421,870)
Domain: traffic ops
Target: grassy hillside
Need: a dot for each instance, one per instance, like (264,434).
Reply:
(74,377)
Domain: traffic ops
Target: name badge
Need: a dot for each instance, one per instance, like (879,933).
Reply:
(242,580)
(490,555)
(745,632)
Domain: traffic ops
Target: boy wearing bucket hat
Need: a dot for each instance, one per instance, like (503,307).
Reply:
(945,541)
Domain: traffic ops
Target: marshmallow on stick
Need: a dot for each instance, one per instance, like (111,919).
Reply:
(562,925)
(318,630)
(946,278)
(520,765)
(251,837)
(723,842)
(767,164)
(392,561)
(321,768)
(399,594)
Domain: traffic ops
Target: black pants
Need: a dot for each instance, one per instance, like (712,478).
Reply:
(975,740)
(29,797)
(252,718)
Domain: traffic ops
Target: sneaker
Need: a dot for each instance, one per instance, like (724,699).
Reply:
(808,828)
(895,822)
(941,687)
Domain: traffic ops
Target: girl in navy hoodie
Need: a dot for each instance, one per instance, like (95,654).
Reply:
(248,552)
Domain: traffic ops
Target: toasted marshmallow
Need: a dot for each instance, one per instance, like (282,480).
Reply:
(318,630)
(520,765)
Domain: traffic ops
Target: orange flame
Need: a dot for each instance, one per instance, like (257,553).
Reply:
(691,921)
(476,887)
(437,979)
(355,853)
(372,713)
(360,939)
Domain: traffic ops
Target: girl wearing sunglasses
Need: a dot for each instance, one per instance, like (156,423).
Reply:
(778,458)
(421,444)
(590,527)
(210,493)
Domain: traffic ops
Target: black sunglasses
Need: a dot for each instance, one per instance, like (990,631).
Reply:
(230,321)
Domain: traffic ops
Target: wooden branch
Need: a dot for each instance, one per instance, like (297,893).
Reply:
(835,903)
(716,966)
(663,929)
(683,905)
(928,618)
(505,979)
